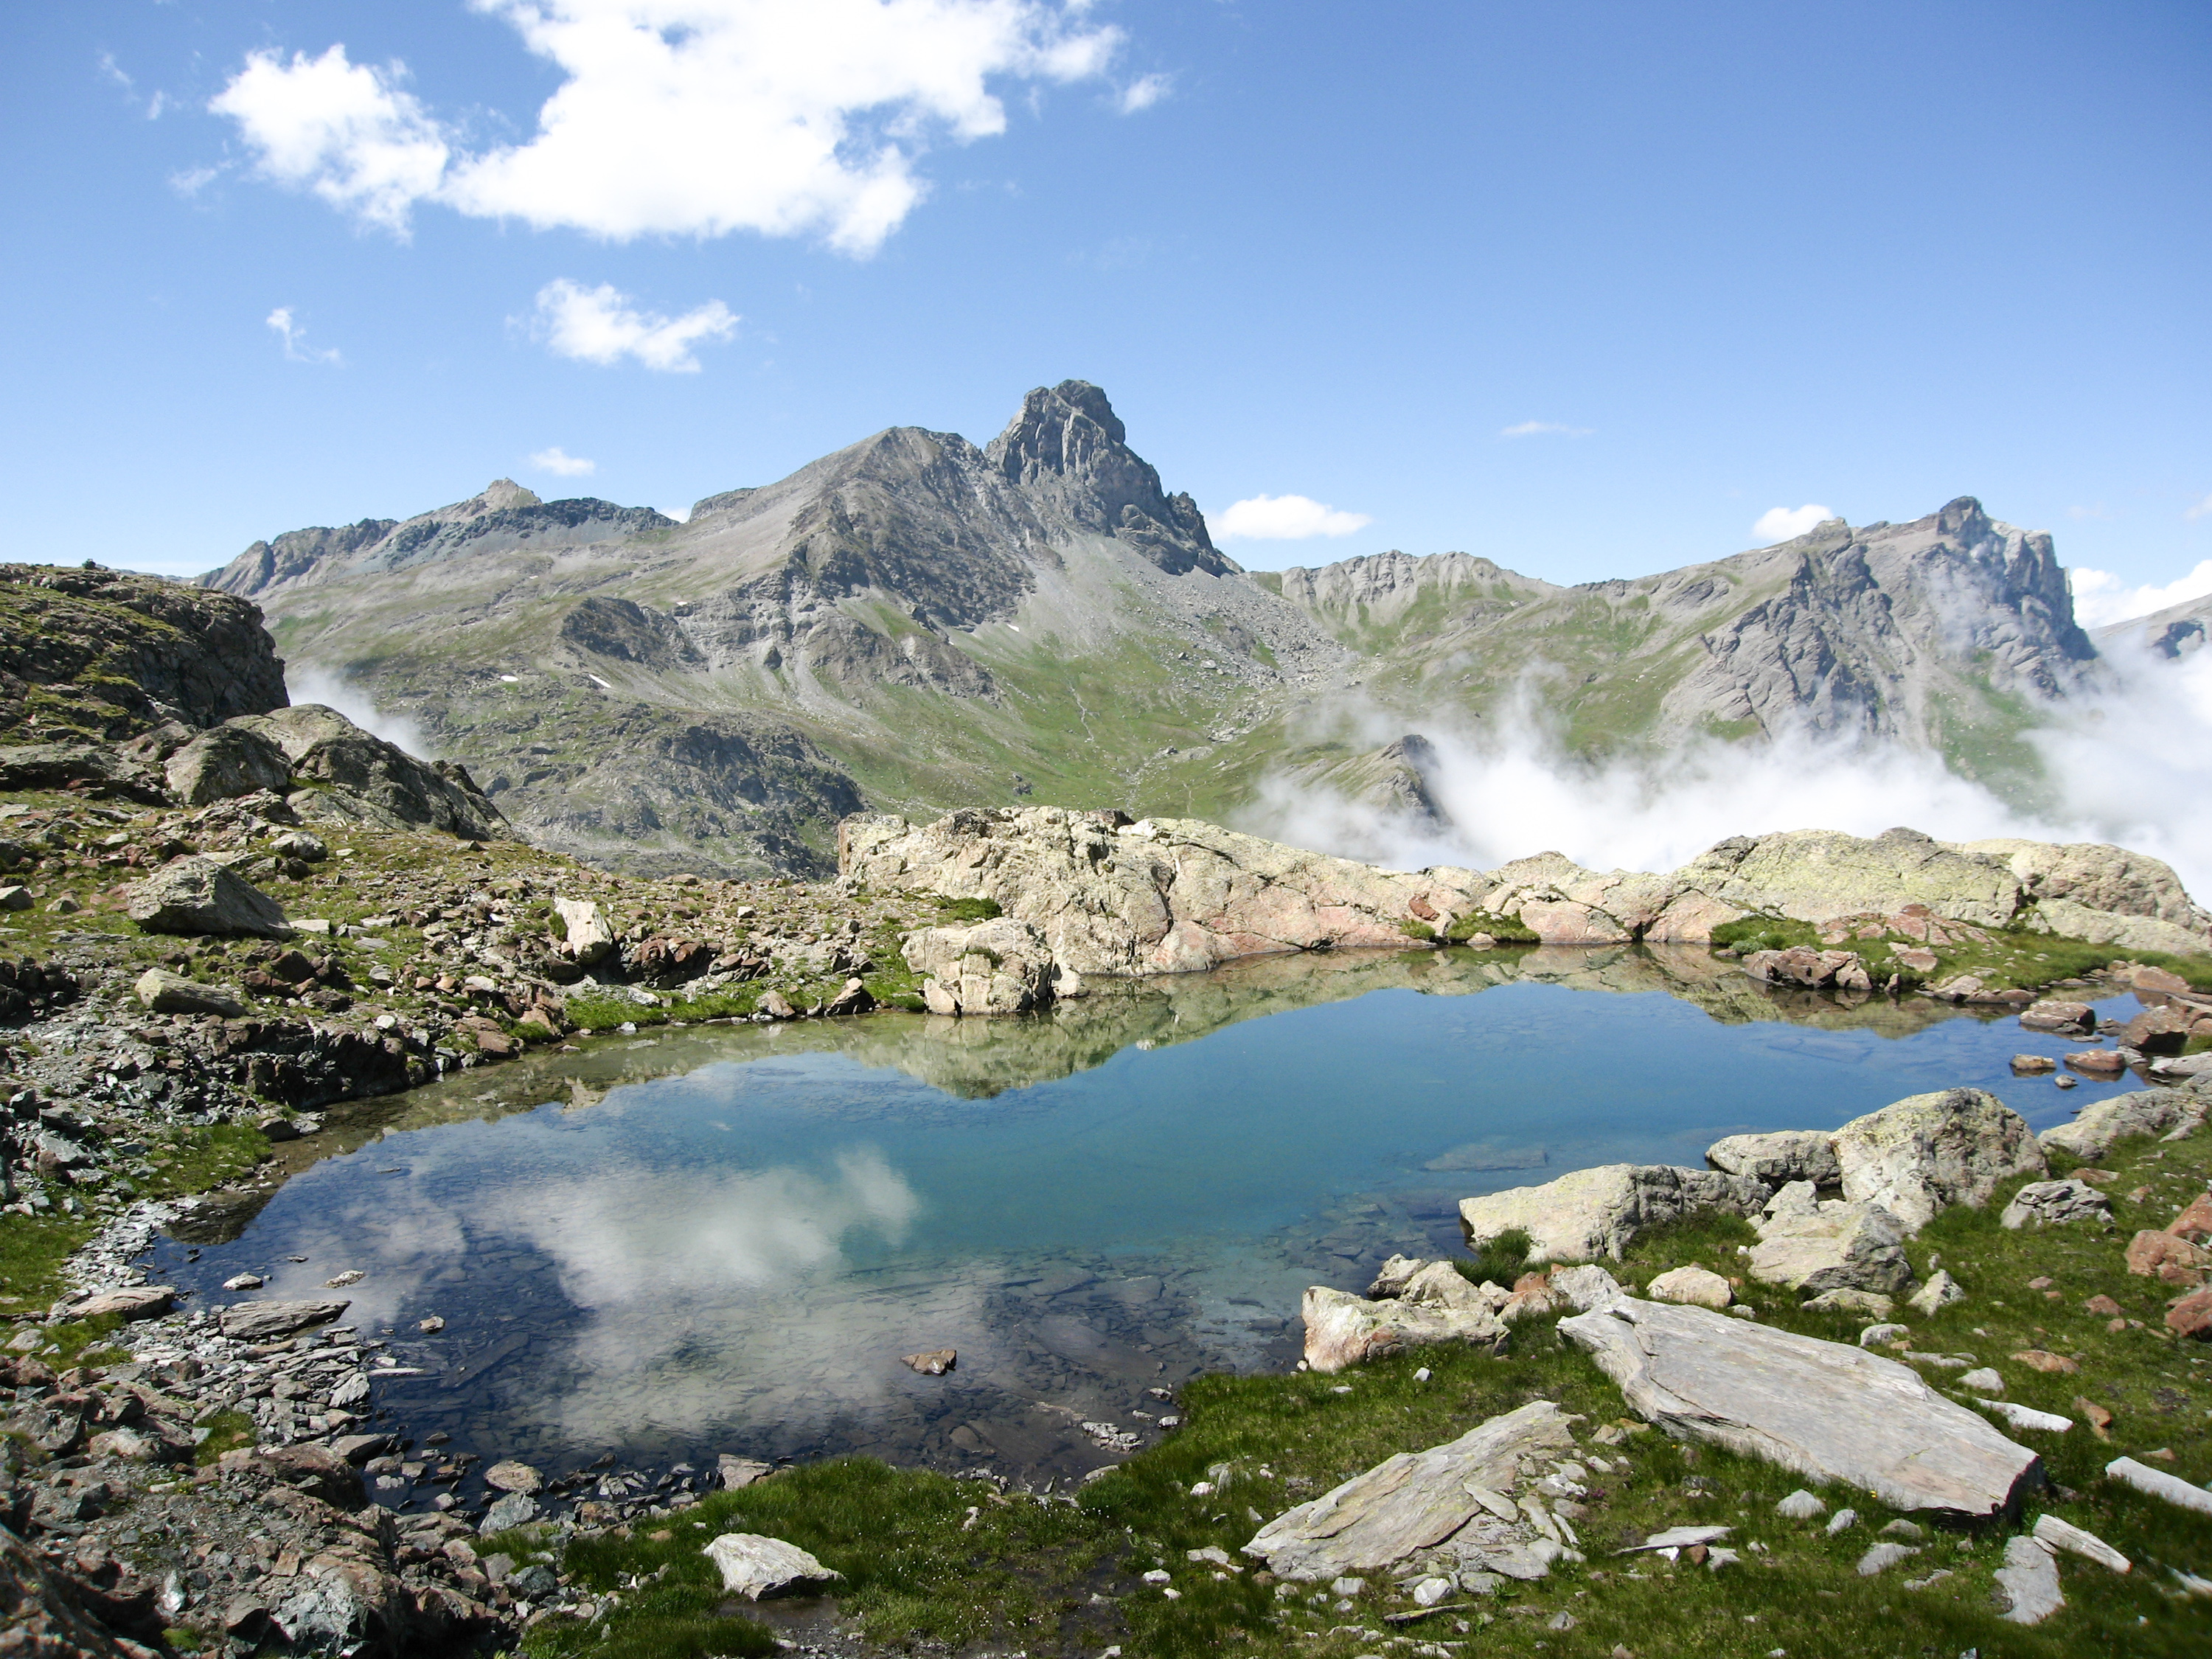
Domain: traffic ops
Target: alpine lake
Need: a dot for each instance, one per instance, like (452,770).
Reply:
(657,1248)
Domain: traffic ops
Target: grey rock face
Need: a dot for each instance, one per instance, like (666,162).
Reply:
(1597,1212)
(1454,1502)
(1779,1158)
(1918,1155)
(1813,1247)
(1825,1410)
(225,763)
(2054,1203)
(196,895)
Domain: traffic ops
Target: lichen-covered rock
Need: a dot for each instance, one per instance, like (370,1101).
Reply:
(2069,1019)
(1816,875)
(2103,1123)
(1917,1156)
(1779,1158)
(997,967)
(2054,1203)
(1694,1285)
(164,992)
(1452,1505)
(1597,1212)
(1816,970)
(1813,1247)
(358,778)
(224,763)
(754,1565)
(1343,1329)
(196,896)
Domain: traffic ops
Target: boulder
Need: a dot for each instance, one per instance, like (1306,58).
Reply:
(196,895)
(1917,1156)
(2102,1124)
(127,1302)
(1816,970)
(1453,1504)
(2027,1584)
(2078,1541)
(511,1475)
(2033,1066)
(225,763)
(1811,1246)
(266,1321)
(1585,1287)
(737,1473)
(1825,1410)
(586,938)
(1779,1158)
(2160,1255)
(2072,1018)
(2157,1031)
(2156,1483)
(1869,1305)
(1939,1292)
(755,1565)
(2054,1203)
(1694,1285)
(2191,1317)
(1598,1211)
(997,967)
(362,778)
(1343,1329)
(164,993)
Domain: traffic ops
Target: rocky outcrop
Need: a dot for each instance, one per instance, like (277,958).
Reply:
(2054,1203)
(1473,1504)
(224,763)
(354,777)
(1824,1410)
(997,967)
(1922,1154)
(1598,1211)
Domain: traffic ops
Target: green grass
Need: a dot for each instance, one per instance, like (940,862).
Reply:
(1506,930)
(227,1431)
(969,910)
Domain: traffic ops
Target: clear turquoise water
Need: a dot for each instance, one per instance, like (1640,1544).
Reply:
(724,1239)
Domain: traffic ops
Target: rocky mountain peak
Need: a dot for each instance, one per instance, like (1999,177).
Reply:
(1963,520)
(497,496)
(1068,452)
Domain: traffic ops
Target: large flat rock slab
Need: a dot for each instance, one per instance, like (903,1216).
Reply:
(1821,1409)
(1457,1499)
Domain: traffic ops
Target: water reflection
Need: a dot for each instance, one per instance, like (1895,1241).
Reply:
(721,1239)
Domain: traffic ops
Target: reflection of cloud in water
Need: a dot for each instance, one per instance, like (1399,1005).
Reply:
(400,1238)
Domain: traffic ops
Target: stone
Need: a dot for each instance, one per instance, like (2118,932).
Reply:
(1825,1410)
(1800,964)
(1879,1558)
(1983,1380)
(2156,1483)
(2103,1123)
(2157,1031)
(1597,1212)
(2099,1062)
(585,937)
(1841,1522)
(1584,1288)
(1811,1246)
(2152,1253)
(776,1005)
(15,896)
(1881,1336)
(2191,1317)
(1678,1538)
(1343,1329)
(1917,1156)
(244,1282)
(224,763)
(2195,1223)
(854,998)
(2036,1359)
(2027,1584)
(2033,1066)
(935,1362)
(997,967)
(1779,1158)
(1871,1305)
(755,1565)
(2060,1535)
(1800,1505)
(2054,1204)
(129,1302)
(164,992)
(196,895)
(1453,1503)
(1694,1285)
(358,1449)
(511,1475)
(2069,1019)
(517,1509)
(737,1473)
(1940,1291)
(266,1321)
(2026,1417)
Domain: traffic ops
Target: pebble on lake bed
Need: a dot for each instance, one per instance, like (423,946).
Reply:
(512,1476)
(431,1326)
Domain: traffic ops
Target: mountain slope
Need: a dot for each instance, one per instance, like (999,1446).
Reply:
(915,623)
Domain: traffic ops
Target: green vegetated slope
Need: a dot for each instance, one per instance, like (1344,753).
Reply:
(930,1560)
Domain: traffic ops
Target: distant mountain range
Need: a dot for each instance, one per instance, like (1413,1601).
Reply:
(915,623)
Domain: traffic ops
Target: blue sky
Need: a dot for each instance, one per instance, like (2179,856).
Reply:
(1587,289)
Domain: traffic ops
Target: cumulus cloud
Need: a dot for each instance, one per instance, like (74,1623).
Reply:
(1781,524)
(562,465)
(2101,598)
(1285,519)
(602,325)
(690,118)
(287,329)
(1144,91)
(1544,429)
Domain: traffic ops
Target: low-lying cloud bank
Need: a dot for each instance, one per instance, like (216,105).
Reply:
(2131,766)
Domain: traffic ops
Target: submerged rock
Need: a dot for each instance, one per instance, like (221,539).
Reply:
(1454,1504)
(1825,1410)
(1598,1211)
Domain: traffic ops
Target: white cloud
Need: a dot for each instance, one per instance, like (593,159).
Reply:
(295,340)
(1544,429)
(691,118)
(562,465)
(601,325)
(1144,91)
(1285,519)
(2101,598)
(344,131)
(2203,509)
(1781,524)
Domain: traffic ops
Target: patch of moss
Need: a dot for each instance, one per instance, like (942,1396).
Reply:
(227,1431)
(969,909)
(1506,930)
